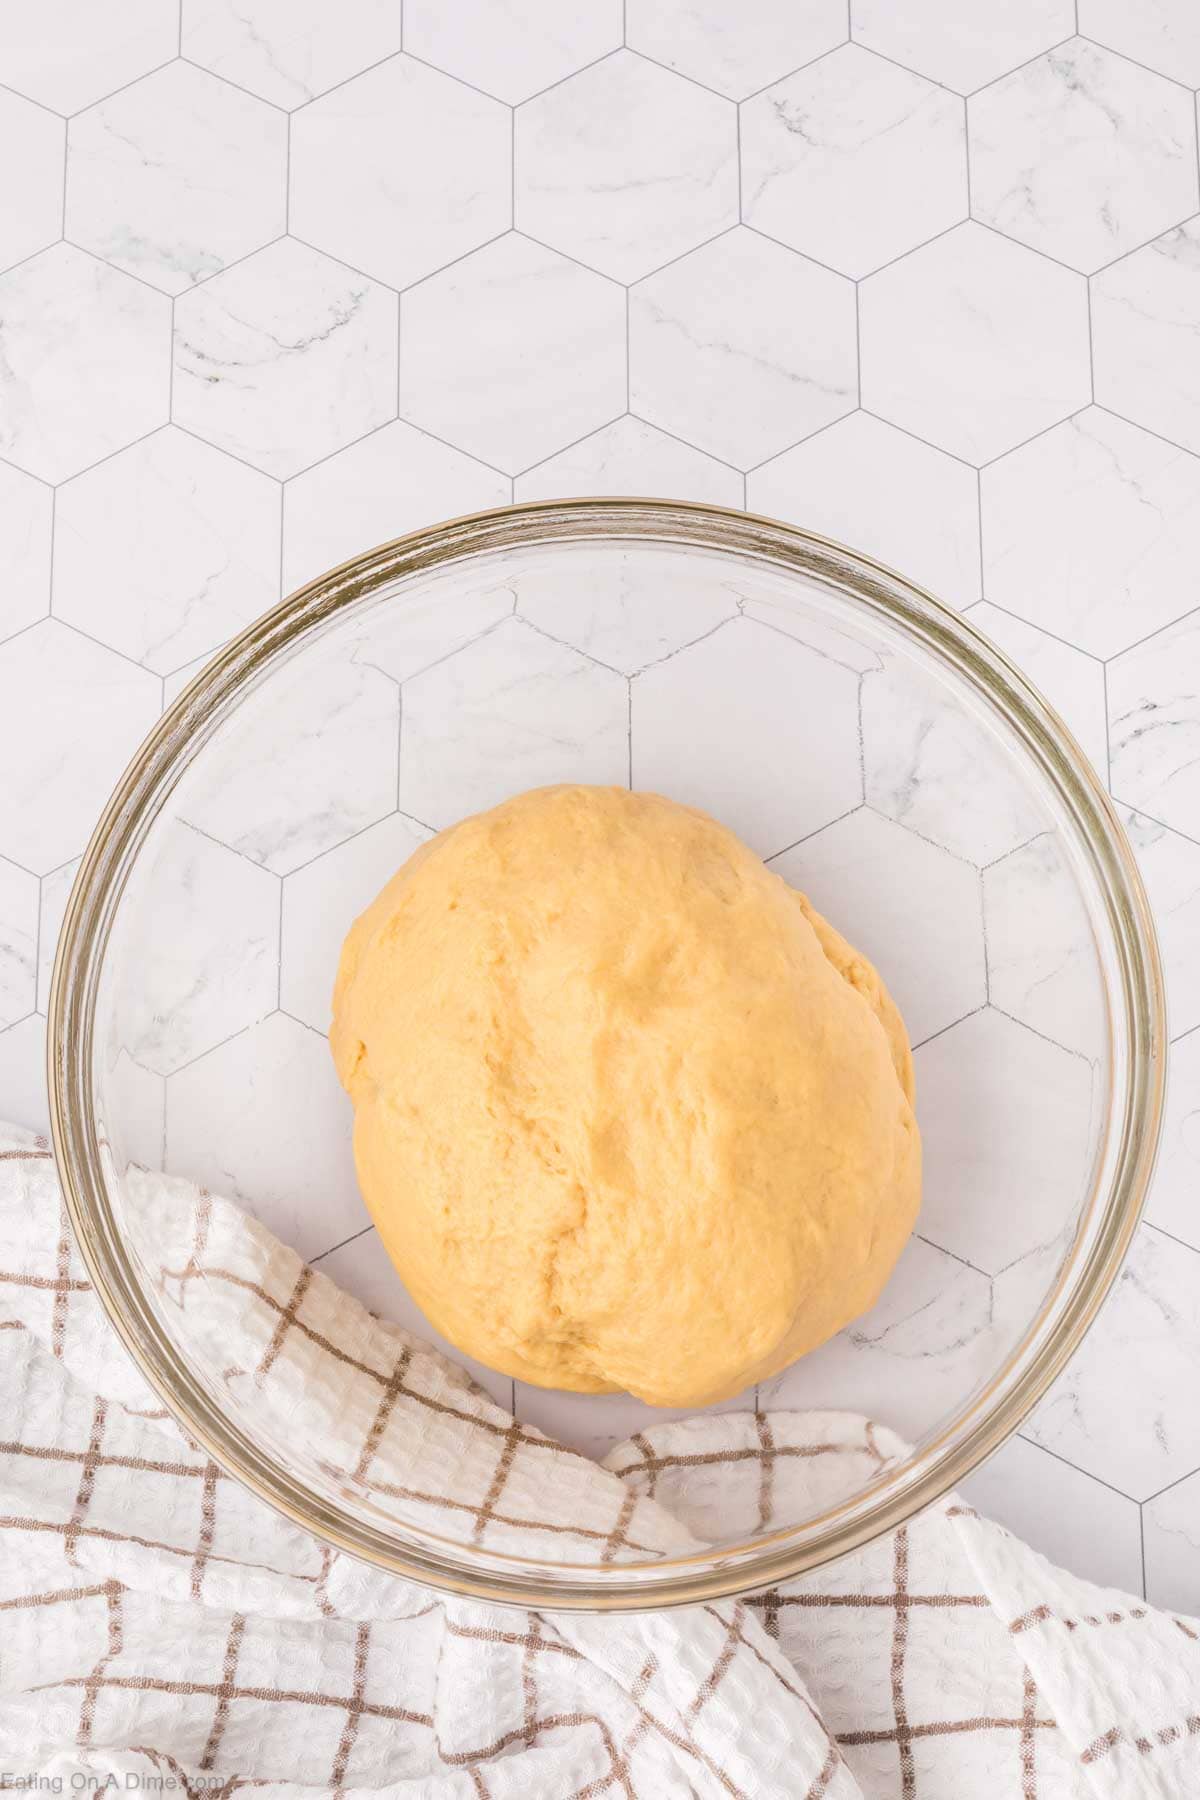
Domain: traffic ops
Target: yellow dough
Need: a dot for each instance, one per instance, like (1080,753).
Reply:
(628,1113)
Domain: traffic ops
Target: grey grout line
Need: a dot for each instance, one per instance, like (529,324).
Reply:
(1161,1231)
(1067,1463)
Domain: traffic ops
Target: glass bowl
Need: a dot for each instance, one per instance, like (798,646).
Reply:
(860,736)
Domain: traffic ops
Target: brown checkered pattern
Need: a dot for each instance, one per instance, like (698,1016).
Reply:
(166,1621)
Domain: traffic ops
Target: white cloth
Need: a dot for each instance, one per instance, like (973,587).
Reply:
(159,1624)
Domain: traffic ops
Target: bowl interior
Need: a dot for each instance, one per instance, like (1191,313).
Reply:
(858,760)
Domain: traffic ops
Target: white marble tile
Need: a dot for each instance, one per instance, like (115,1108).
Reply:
(175,176)
(1093,531)
(166,549)
(1170,867)
(284,358)
(1116,1410)
(67,53)
(25,512)
(1154,725)
(84,362)
(71,715)
(1082,155)
(205,933)
(513,353)
(512,48)
(962,43)
(839,870)
(320,903)
(262,1119)
(131,1112)
(629,615)
(511,711)
(854,160)
(739,51)
(880,490)
(910,1361)
(814,631)
(32,139)
(1171,1524)
(974,343)
(626,166)
(1146,335)
(315,759)
(1042,964)
(1174,1202)
(178,679)
(1076,1521)
(407,636)
(1006,1119)
(922,750)
(23,1074)
(389,483)
(55,891)
(400,171)
(1071,681)
(742,348)
(630,457)
(1163,34)
(288,50)
(753,727)
(18,942)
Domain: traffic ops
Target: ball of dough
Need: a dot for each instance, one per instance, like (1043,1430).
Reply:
(628,1113)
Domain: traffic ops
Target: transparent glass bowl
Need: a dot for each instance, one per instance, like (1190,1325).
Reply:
(859,735)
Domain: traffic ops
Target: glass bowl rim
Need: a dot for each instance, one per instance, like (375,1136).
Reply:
(979,1426)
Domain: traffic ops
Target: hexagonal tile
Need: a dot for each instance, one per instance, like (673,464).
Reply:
(838,869)
(1071,681)
(1163,34)
(67,53)
(1146,345)
(284,358)
(33,140)
(974,343)
(18,942)
(134,1107)
(22,1073)
(1115,1412)
(754,727)
(1075,1520)
(922,751)
(25,514)
(288,50)
(55,891)
(166,549)
(317,758)
(1153,724)
(1049,168)
(415,634)
(871,486)
(1041,963)
(962,43)
(385,485)
(1171,1528)
(854,160)
(631,457)
(625,166)
(509,712)
(401,171)
(1174,1202)
(1170,867)
(176,176)
(734,53)
(206,927)
(320,903)
(628,615)
(262,1119)
(85,357)
(1010,1152)
(512,52)
(1093,531)
(717,355)
(513,353)
(71,715)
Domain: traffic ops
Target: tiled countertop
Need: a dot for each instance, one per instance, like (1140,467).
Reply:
(280,283)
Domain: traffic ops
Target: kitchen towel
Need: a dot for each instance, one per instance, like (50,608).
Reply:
(162,1629)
